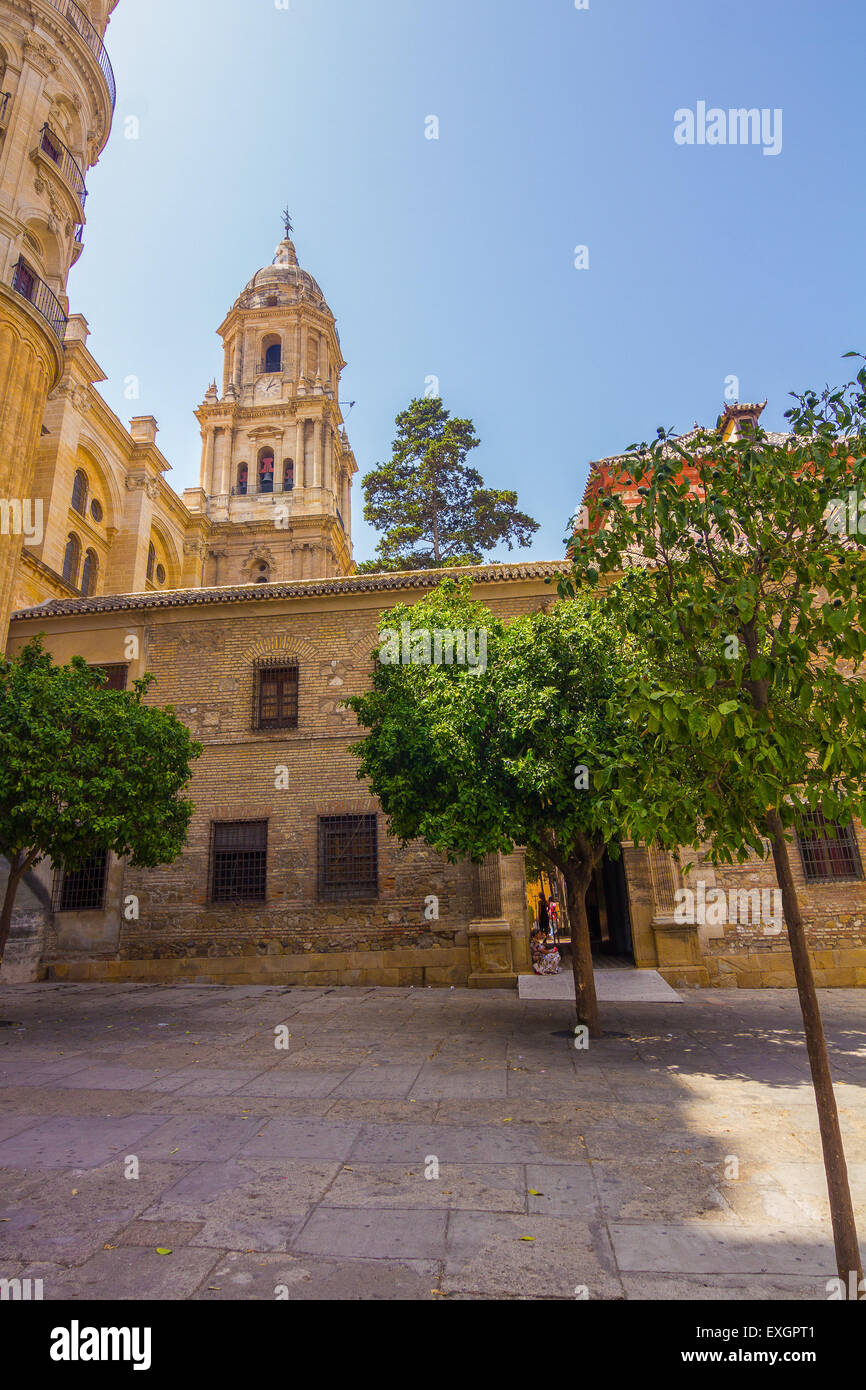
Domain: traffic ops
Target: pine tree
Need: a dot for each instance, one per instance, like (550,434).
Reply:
(431,508)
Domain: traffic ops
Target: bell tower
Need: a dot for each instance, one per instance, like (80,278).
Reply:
(57,98)
(276,469)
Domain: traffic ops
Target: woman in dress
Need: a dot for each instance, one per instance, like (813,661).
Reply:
(545,957)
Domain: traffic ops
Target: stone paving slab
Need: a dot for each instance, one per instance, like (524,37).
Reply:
(304,1174)
(301,1139)
(305,1278)
(472,1186)
(539,1256)
(655,1247)
(72,1141)
(611,987)
(383,1233)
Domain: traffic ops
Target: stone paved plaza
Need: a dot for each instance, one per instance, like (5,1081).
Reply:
(678,1157)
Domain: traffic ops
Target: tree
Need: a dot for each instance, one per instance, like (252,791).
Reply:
(85,769)
(749,594)
(432,509)
(527,751)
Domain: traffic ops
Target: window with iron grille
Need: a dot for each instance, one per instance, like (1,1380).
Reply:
(828,850)
(82,889)
(238,861)
(117,676)
(348,858)
(275,703)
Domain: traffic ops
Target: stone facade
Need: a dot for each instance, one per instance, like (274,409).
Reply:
(56,106)
(203,647)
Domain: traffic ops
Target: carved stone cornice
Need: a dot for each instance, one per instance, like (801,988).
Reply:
(258,555)
(78,396)
(150,486)
(39,55)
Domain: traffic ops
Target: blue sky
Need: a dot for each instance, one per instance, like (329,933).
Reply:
(455,257)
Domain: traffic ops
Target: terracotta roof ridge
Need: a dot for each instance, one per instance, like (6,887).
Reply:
(293,588)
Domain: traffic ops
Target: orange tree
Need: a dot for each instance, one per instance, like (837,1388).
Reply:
(85,769)
(745,576)
(533,747)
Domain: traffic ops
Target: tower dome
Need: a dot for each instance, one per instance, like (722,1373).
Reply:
(282,282)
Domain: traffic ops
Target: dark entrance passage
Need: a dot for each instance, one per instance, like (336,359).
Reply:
(607,911)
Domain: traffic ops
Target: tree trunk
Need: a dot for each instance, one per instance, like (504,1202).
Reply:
(848,1256)
(17,865)
(577,880)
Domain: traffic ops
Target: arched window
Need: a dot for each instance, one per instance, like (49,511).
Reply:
(71,560)
(79,492)
(89,573)
(288,475)
(266,470)
(272,354)
(151,560)
(243,479)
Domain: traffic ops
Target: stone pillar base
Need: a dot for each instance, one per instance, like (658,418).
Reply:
(22,959)
(490,955)
(680,960)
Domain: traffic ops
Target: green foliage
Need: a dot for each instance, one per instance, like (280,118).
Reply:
(473,763)
(84,768)
(751,607)
(431,508)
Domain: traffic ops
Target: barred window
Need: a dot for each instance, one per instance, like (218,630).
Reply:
(276,697)
(117,676)
(239,861)
(81,889)
(348,858)
(828,850)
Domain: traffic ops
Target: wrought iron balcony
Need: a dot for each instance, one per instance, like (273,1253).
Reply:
(28,284)
(270,369)
(51,144)
(79,21)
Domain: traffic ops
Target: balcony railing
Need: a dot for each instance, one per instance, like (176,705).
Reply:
(79,21)
(53,146)
(5,98)
(28,284)
(269,368)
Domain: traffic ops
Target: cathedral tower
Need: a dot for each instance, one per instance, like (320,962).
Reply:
(277,469)
(56,104)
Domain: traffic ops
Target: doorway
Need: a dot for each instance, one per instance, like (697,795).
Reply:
(607,911)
